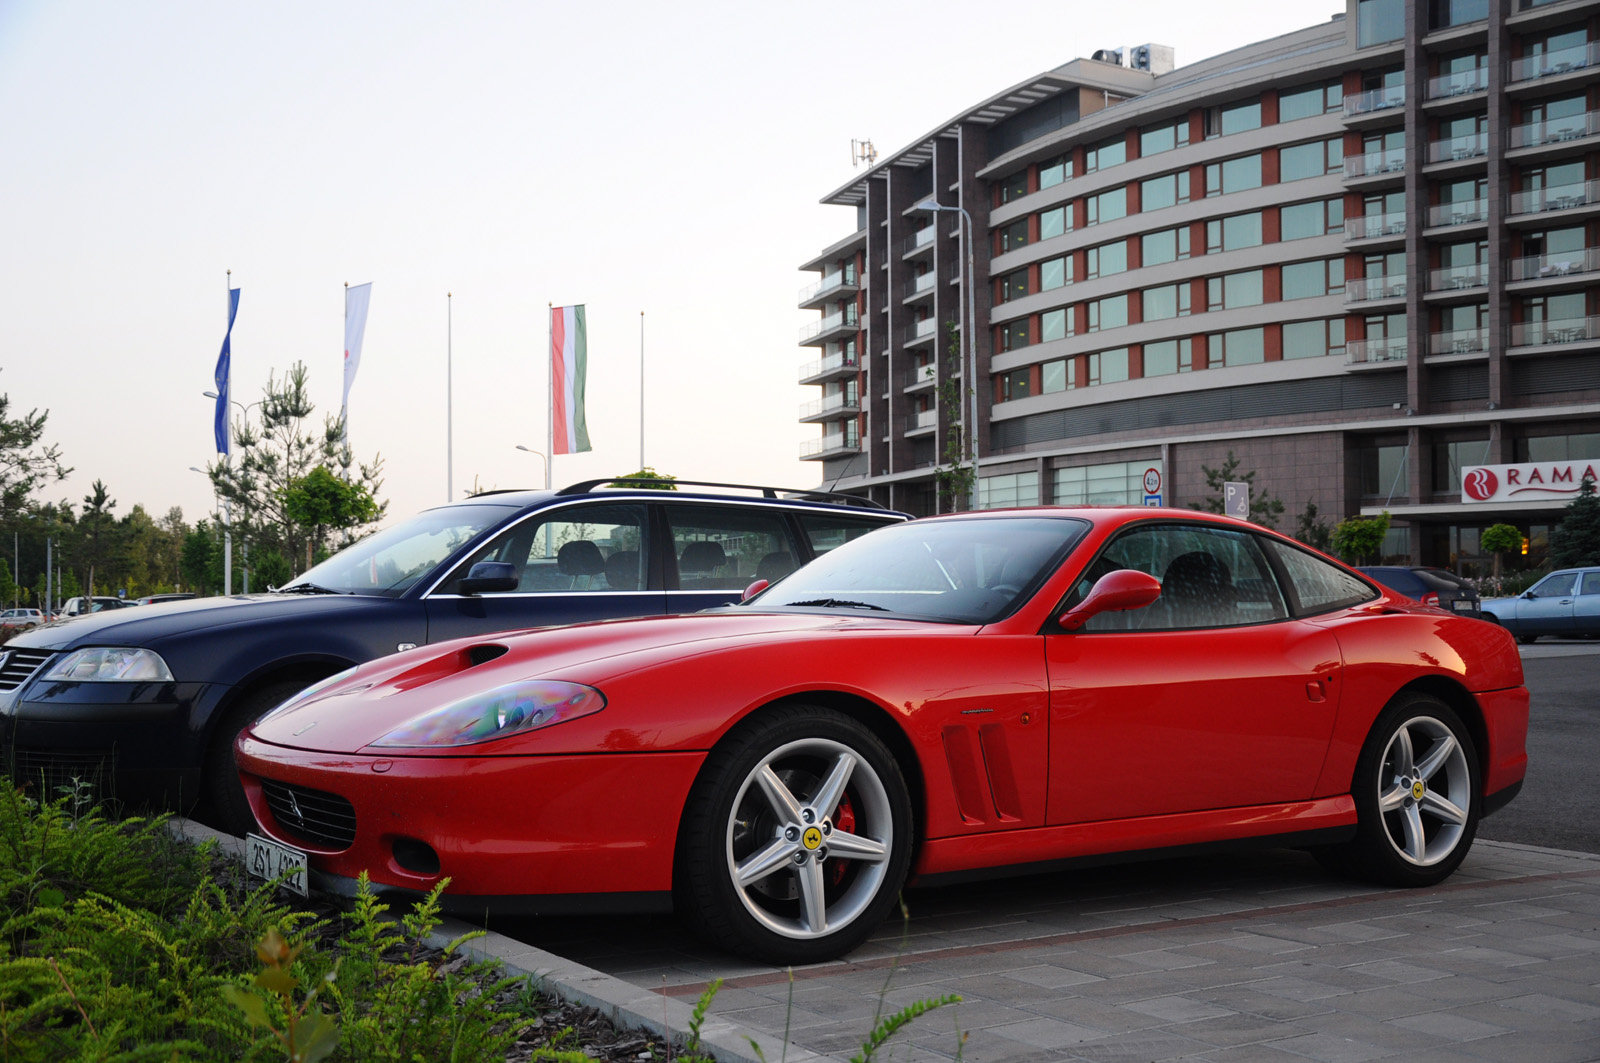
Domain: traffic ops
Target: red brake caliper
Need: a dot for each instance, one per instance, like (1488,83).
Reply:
(844,818)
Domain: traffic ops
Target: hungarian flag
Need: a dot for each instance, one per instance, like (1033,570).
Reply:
(569,362)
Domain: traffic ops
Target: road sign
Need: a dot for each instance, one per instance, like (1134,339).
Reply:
(1152,482)
(1236,500)
(1152,500)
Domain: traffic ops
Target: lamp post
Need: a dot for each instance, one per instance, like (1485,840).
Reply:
(969,324)
(541,456)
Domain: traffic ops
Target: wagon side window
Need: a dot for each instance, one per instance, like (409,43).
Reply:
(582,548)
(728,549)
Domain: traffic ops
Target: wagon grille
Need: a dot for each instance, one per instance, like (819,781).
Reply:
(49,774)
(18,666)
(321,820)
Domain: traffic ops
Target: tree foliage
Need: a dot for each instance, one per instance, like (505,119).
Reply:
(648,472)
(1500,539)
(1312,531)
(1355,539)
(320,502)
(956,479)
(1576,540)
(1265,509)
(25,464)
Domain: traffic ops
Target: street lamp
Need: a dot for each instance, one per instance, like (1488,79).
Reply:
(541,456)
(969,324)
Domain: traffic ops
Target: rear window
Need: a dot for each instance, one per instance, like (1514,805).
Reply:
(1316,585)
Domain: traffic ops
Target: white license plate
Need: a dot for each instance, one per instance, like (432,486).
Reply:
(1461,605)
(267,859)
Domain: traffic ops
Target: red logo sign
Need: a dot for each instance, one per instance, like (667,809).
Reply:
(1480,484)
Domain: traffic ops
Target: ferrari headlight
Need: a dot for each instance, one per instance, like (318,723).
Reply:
(506,710)
(111,664)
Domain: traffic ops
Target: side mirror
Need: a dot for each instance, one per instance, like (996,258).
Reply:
(754,589)
(1529,595)
(488,576)
(1126,588)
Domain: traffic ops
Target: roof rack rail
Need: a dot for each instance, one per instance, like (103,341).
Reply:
(584,487)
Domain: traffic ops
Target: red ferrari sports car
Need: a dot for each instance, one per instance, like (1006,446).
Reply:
(952,697)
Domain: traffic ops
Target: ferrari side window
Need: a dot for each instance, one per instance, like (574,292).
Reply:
(1210,577)
(1319,586)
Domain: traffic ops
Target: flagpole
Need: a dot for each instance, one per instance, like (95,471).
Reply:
(449,408)
(641,390)
(344,408)
(227,456)
(550,419)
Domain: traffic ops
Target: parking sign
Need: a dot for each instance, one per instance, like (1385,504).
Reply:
(1236,500)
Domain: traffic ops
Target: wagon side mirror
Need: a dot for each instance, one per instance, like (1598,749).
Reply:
(488,576)
(1126,588)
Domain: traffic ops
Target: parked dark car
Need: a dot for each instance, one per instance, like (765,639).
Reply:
(1563,604)
(1430,586)
(82,606)
(148,701)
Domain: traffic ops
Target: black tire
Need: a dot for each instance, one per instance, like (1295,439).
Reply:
(853,856)
(223,804)
(1527,640)
(1418,797)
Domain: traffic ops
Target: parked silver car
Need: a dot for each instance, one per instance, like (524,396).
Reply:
(1564,603)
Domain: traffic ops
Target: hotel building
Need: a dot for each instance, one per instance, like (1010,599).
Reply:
(1361,257)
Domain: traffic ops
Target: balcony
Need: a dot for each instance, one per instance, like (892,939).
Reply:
(1458,278)
(1387,163)
(1555,130)
(1459,341)
(1560,61)
(919,241)
(835,365)
(829,406)
(1462,83)
(1458,149)
(1379,352)
(920,376)
(832,445)
(921,286)
(831,285)
(1561,197)
(1556,265)
(922,331)
(832,326)
(1461,212)
(922,421)
(1374,101)
(1565,330)
(1374,226)
(1371,289)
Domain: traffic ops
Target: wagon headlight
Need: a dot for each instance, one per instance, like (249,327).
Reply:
(111,664)
(505,710)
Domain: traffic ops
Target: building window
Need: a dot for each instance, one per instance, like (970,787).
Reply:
(1233,175)
(1168,190)
(1107,259)
(1166,357)
(1234,290)
(1319,217)
(1055,272)
(1309,102)
(1014,235)
(1379,21)
(1245,346)
(1053,377)
(1053,223)
(1230,234)
(1014,187)
(1168,245)
(1014,385)
(1013,285)
(1446,13)
(1108,205)
(1313,339)
(1382,471)
(1234,118)
(1108,313)
(1307,280)
(1107,153)
(1054,324)
(1014,335)
(1156,139)
(1580,446)
(1450,458)
(1054,171)
(1117,483)
(1008,490)
(1108,367)
(1167,301)
(1314,159)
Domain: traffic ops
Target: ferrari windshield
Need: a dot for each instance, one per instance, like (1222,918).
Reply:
(388,562)
(962,571)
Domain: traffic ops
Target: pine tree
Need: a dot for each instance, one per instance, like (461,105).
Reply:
(1576,540)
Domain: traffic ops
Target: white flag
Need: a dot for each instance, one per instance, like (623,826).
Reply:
(355,325)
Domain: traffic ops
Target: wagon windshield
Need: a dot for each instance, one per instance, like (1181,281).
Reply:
(389,562)
(970,571)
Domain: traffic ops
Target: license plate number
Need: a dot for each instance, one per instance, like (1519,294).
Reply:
(1461,605)
(267,859)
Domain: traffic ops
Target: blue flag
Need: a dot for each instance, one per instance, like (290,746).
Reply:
(223,375)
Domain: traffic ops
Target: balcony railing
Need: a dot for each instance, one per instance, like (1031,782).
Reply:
(1374,100)
(1564,330)
(1373,225)
(1555,130)
(919,239)
(1365,289)
(1456,148)
(811,448)
(1556,264)
(830,364)
(1461,212)
(1561,197)
(1392,160)
(1559,61)
(1458,84)
(837,279)
(921,374)
(847,318)
(923,281)
(1378,351)
(922,329)
(1457,278)
(829,404)
(922,419)
(1459,341)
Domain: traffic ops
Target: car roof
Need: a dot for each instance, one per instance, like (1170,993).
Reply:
(803,498)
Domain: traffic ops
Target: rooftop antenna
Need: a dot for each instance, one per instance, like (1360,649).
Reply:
(862,151)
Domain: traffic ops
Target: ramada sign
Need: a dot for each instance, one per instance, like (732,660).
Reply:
(1532,482)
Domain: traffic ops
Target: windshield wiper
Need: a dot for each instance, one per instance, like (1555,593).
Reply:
(839,603)
(306,588)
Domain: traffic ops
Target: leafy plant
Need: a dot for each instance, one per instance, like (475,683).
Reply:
(306,1032)
(955,478)
(1315,533)
(1357,538)
(1500,539)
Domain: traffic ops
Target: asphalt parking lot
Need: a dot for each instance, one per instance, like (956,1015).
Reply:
(1259,956)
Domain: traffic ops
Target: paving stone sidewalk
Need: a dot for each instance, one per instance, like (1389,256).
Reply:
(1259,957)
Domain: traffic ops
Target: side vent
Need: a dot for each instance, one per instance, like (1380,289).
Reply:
(484,654)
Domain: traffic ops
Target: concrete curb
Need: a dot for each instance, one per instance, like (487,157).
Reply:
(624,1004)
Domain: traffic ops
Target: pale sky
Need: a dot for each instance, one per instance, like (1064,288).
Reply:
(664,158)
